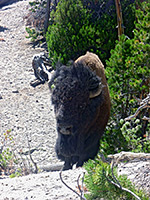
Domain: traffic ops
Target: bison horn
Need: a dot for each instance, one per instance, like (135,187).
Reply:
(96,92)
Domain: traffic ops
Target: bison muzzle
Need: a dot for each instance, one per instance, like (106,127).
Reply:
(82,107)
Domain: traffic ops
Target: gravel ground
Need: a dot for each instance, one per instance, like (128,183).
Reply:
(138,172)
(27,111)
(44,186)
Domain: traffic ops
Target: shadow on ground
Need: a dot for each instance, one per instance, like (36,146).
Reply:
(6,2)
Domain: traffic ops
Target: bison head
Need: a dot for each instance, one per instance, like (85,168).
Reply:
(76,97)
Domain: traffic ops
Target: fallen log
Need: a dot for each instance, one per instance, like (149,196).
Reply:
(128,156)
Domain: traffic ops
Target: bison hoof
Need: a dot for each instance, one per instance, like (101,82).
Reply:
(79,164)
(67,167)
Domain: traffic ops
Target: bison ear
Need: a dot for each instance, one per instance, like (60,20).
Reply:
(96,92)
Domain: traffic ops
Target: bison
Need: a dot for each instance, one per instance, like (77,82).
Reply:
(81,102)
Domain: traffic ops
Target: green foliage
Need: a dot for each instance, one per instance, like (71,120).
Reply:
(99,186)
(113,140)
(130,66)
(37,4)
(70,33)
(5,158)
(76,28)
(37,7)
(128,74)
(33,34)
(131,131)
(16,174)
(125,136)
(6,155)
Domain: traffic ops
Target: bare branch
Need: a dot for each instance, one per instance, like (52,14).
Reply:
(112,171)
(137,112)
(35,165)
(146,118)
(146,100)
(79,184)
(60,174)
(145,103)
(127,156)
(42,69)
(122,188)
(81,189)
(82,184)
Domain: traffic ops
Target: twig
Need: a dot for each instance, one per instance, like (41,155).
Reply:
(112,171)
(123,156)
(23,169)
(60,174)
(35,165)
(83,182)
(146,100)
(122,188)
(137,112)
(81,189)
(145,103)
(79,184)
(146,118)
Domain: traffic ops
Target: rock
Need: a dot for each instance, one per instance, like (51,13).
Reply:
(15,91)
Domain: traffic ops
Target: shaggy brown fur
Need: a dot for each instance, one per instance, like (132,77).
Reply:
(94,63)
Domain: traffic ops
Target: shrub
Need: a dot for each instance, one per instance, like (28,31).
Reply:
(128,73)
(70,32)
(6,155)
(99,186)
(131,132)
(78,26)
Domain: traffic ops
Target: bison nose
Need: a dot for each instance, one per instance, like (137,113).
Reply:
(65,130)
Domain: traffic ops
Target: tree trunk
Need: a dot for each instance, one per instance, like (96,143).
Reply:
(119,18)
(47,15)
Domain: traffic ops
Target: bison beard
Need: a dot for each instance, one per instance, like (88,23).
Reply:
(81,110)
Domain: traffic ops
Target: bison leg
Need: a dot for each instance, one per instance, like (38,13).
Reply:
(67,164)
(80,164)
(70,161)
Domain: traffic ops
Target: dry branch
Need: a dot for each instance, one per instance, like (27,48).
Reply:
(128,156)
(81,196)
(122,188)
(145,103)
(42,69)
(114,162)
(34,163)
